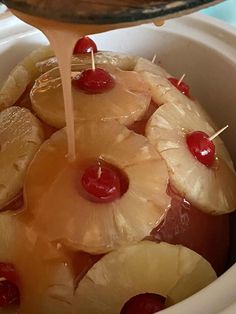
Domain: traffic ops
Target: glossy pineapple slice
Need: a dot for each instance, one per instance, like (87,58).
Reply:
(20,137)
(45,276)
(145,65)
(123,61)
(162,90)
(11,231)
(47,283)
(172,271)
(211,189)
(21,76)
(126,102)
(52,189)
(156,77)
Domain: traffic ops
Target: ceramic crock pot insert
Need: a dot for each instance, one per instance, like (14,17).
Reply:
(202,48)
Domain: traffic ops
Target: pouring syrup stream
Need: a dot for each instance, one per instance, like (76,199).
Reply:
(63,37)
(64,62)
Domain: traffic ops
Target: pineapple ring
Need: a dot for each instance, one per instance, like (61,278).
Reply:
(126,102)
(46,282)
(10,232)
(21,135)
(80,223)
(21,76)
(169,270)
(49,283)
(156,77)
(122,61)
(212,190)
(162,90)
(144,65)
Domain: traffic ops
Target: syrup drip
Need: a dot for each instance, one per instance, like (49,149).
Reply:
(64,62)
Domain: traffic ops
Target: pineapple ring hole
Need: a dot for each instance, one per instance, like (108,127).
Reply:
(101,182)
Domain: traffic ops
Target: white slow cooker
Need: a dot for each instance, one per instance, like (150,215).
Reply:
(201,47)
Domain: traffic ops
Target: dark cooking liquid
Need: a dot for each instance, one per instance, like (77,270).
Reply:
(205,234)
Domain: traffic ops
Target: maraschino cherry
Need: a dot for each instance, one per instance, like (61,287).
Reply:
(85,45)
(180,85)
(8,271)
(9,292)
(95,80)
(201,147)
(147,303)
(102,183)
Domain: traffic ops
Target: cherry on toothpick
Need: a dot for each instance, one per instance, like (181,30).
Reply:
(202,147)
(102,183)
(95,80)
(85,45)
(180,85)
(147,303)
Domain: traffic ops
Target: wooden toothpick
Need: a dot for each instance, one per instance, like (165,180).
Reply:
(211,138)
(154,58)
(99,172)
(93,60)
(181,79)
